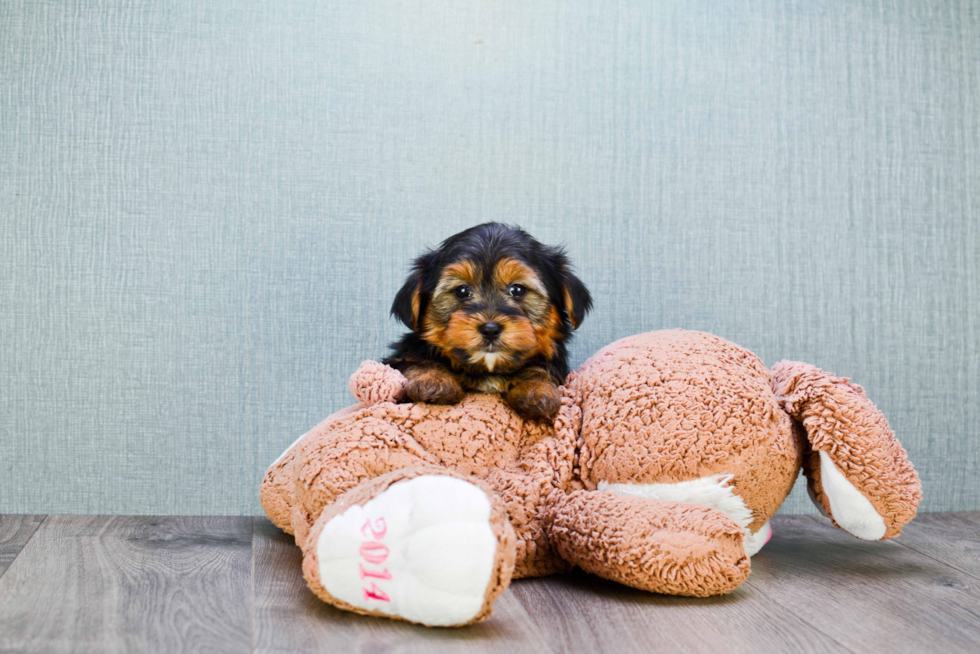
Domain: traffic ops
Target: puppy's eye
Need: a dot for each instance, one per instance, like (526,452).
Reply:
(517,291)
(463,292)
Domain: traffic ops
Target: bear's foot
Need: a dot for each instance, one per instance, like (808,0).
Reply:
(434,549)
(675,548)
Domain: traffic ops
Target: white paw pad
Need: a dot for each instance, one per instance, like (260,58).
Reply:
(422,550)
(851,510)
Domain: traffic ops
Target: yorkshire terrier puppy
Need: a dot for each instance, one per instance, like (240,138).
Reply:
(490,310)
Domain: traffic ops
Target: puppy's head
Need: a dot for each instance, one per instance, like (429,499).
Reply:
(492,298)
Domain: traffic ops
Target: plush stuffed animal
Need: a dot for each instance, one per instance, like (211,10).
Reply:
(670,453)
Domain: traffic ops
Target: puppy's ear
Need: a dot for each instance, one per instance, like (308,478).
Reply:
(578,301)
(574,296)
(408,300)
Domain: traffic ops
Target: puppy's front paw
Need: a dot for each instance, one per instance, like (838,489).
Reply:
(433,386)
(535,400)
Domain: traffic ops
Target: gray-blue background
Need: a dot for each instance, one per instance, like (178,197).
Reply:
(207,207)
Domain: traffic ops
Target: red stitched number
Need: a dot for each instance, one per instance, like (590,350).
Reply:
(378,531)
(377,575)
(374,552)
(376,593)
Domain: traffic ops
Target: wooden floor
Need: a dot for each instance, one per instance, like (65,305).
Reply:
(219,584)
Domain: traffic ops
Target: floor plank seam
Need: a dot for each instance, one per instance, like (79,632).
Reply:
(911,600)
(898,541)
(24,546)
(527,612)
(939,561)
(969,516)
(799,617)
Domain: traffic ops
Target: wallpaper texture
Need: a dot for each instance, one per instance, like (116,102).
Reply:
(206,209)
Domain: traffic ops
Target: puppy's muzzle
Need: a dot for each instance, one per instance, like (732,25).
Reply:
(490,330)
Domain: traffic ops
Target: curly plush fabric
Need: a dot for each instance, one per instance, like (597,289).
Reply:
(375,382)
(673,406)
(669,454)
(842,422)
(522,461)
(503,564)
(277,491)
(371,384)
(664,547)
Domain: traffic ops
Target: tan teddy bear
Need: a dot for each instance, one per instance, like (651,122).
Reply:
(671,452)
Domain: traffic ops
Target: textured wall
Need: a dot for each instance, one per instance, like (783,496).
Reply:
(207,207)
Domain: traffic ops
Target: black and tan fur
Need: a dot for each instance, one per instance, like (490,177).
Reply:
(492,278)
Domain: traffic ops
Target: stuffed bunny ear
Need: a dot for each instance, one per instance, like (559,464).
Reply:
(375,382)
(858,473)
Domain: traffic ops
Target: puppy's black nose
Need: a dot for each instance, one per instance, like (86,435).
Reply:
(490,329)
